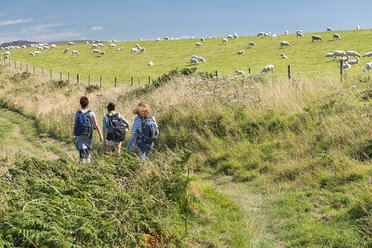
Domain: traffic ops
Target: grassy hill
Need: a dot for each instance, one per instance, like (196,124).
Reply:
(272,163)
(305,57)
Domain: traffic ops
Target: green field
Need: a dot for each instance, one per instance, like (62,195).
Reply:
(305,57)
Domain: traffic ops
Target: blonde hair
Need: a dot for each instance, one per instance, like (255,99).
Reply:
(142,110)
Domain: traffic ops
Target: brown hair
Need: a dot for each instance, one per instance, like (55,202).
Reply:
(111,107)
(84,102)
(142,110)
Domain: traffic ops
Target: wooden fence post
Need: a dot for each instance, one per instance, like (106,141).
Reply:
(89,80)
(34,70)
(60,76)
(20,66)
(116,82)
(15,64)
(289,72)
(77,78)
(249,71)
(100,81)
(131,81)
(217,74)
(27,68)
(68,77)
(149,80)
(341,70)
(42,71)
(51,74)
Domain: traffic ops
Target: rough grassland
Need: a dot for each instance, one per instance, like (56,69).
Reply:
(306,58)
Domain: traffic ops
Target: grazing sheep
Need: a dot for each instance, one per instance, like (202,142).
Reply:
(95,51)
(138,46)
(150,63)
(194,61)
(301,35)
(101,45)
(119,49)
(260,34)
(346,66)
(267,34)
(229,36)
(75,52)
(194,57)
(336,37)
(102,53)
(299,31)
(112,46)
(344,59)
(283,56)
(286,32)
(329,29)
(354,62)
(66,50)
(32,54)
(53,46)
(368,54)
(166,38)
(24,46)
(267,69)
(198,44)
(6,53)
(37,53)
(94,46)
(285,44)
(157,40)
(134,50)
(367,67)
(328,55)
(241,52)
(251,43)
(142,50)
(239,72)
(339,54)
(202,39)
(70,43)
(201,60)
(274,36)
(236,36)
(357,28)
(316,37)
(140,39)
(87,42)
(224,40)
(352,54)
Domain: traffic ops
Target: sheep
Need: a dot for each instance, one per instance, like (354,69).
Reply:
(329,55)
(354,62)
(94,46)
(285,44)
(224,40)
(150,63)
(166,38)
(101,45)
(286,32)
(299,31)
(157,40)
(267,69)
(236,36)
(87,42)
(301,35)
(102,53)
(194,61)
(24,46)
(75,52)
(283,56)
(352,54)
(32,54)
(251,43)
(140,39)
(260,34)
(329,29)
(6,53)
(46,47)
(202,39)
(346,66)
(95,51)
(368,54)
(119,49)
(367,67)
(142,50)
(112,46)
(198,44)
(239,72)
(70,43)
(336,37)
(357,28)
(37,53)
(134,50)
(66,50)
(274,36)
(138,46)
(194,57)
(113,41)
(339,53)
(316,37)
(344,59)
(240,52)
(229,36)
(53,46)
(201,60)
(267,34)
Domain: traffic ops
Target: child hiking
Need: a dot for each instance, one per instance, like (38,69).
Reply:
(85,123)
(144,130)
(114,128)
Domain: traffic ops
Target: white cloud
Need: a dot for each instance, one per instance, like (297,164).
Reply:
(39,28)
(96,28)
(11,22)
(2,13)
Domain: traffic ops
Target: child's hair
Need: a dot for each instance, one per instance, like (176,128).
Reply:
(142,110)
(111,107)
(84,102)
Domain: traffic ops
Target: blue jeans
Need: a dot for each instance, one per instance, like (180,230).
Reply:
(144,149)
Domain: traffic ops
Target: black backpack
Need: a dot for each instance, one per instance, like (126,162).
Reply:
(117,129)
(150,130)
(84,124)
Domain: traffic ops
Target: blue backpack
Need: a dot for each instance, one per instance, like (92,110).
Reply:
(150,130)
(84,124)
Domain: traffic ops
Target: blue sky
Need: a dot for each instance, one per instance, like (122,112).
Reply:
(49,20)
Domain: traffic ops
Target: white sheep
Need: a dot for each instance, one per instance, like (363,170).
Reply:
(140,39)
(95,51)
(240,52)
(300,35)
(367,67)
(94,46)
(329,29)
(316,37)
(37,53)
(260,34)
(138,46)
(336,37)
(112,46)
(346,66)
(194,61)
(224,40)
(134,50)
(102,53)
(6,53)
(354,62)
(285,44)
(344,59)
(274,36)
(101,45)
(24,46)
(201,60)
(239,72)
(202,39)
(236,36)
(267,69)
(286,32)
(283,56)
(229,36)
(352,54)
(166,38)
(142,50)
(339,54)
(87,42)
(32,54)
(194,57)
(267,34)
(53,46)
(157,40)
(66,50)
(358,28)
(251,43)
(70,43)
(75,52)
(150,63)
(198,44)
(119,49)
(329,55)
(368,54)
(299,31)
